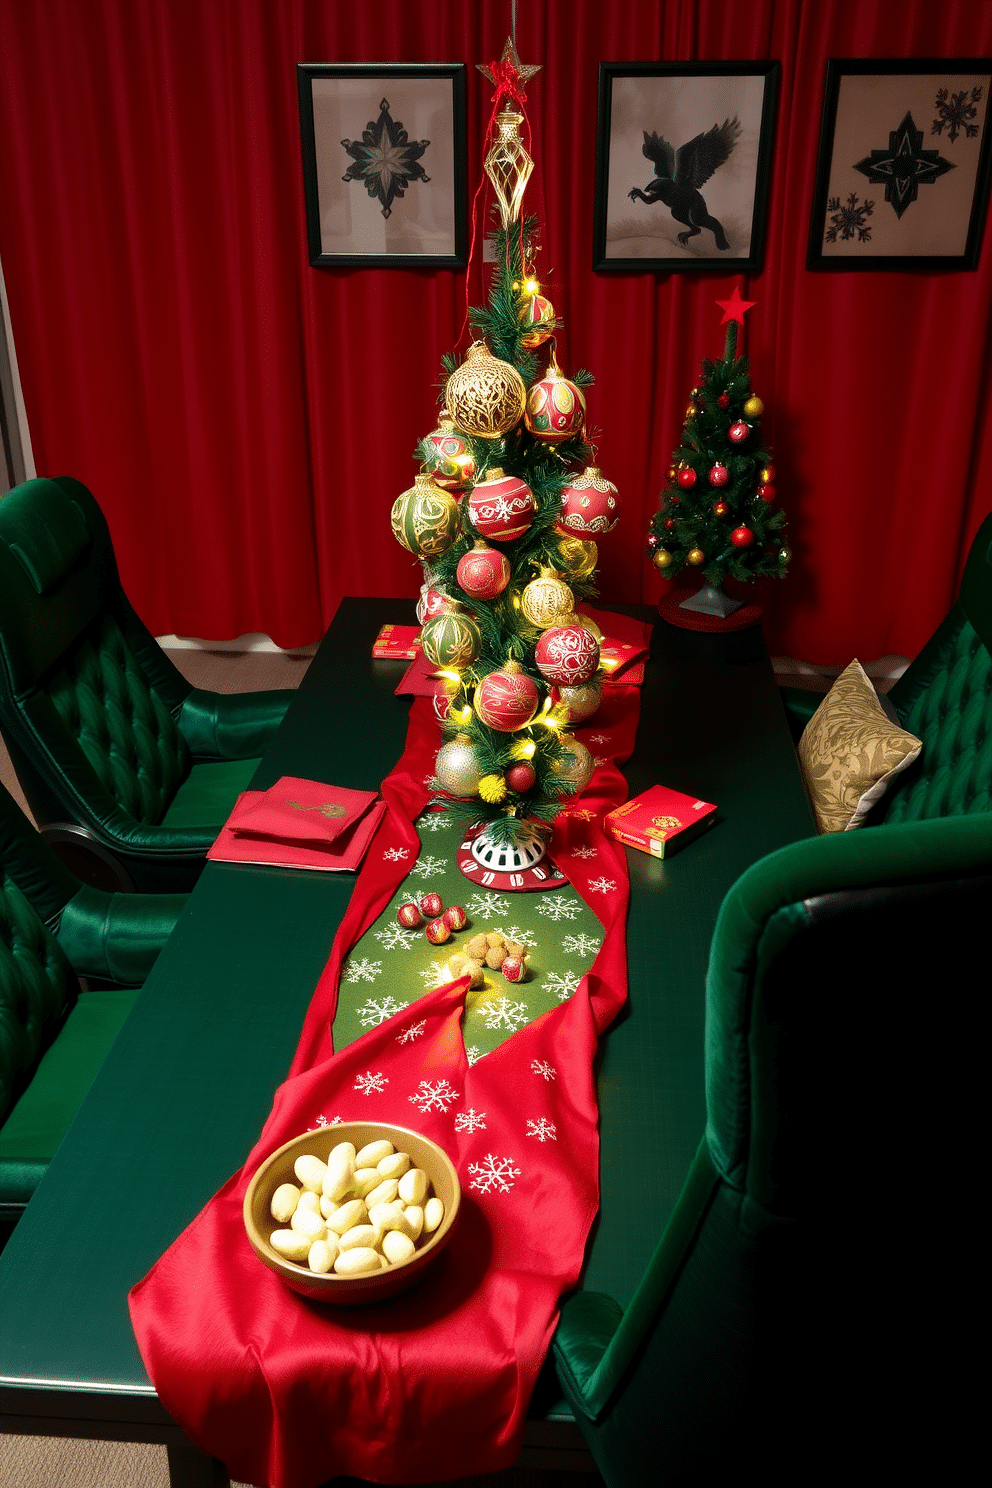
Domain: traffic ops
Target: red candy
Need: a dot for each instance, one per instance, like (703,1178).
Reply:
(409,915)
(431,904)
(514,968)
(437,932)
(455,917)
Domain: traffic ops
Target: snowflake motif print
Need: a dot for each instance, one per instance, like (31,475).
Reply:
(432,821)
(544,1131)
(846,222)
(484,906)
(470,1121)
(585,852)
(599,760)
(514,932)
(371,1084)
(395,938)
(599,738)
(493,1173)
(428,866)
(557,907)
(543,1068)
(323,1121)
(377,1010)
(473,1054)
(580,945)
(395,854)
(415,1031)
(954,112)
(361,971)
(432,975)
(562,983)
(434,1095)
(504,1013)
(602,885)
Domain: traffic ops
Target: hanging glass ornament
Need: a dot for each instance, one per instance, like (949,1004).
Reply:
(538,318)
(485,397)
(546,600)
(456,767)
(580,557)
(582,700)
(589,504)
(425,519)
(451,639)
(507,700)
(455,468)
(508,165)
(576,764)
(483,572)
(555,407)
(501,507)
(567,655)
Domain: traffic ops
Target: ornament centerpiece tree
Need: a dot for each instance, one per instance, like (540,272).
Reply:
(719,513)
(504,515)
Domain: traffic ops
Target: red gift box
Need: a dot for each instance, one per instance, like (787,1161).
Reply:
(396,641)
(660,820)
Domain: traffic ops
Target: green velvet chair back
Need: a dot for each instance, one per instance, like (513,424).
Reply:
(88,702)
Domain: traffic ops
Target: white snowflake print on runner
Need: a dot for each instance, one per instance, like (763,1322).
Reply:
(514,932)
(561,983)
(377,1010)
(493,1173)
(544,1131)
(473,1053)
(580,945)
(602,885)
(599,738)
(598,760)
(504,1013)
(371,1084)
(434,1095)
(433,821)
(483,906)
(395,854)
(427,866)
(415,1031)
(361,971)
(543,1068)
(470,1121)
(395,938)
(559,907)
(323,1121)
(432,975)
(586,852)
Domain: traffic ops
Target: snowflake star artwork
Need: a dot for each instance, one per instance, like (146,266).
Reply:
(395,854)
(602,885)
(847,220)
(415,1031)
(361,971)
(954,111)
(493,1173)
(385,159)
(473,1054)
(562,983)
(585,852)
(371,1083)
(395,938)
(434,1095)
(432,975)
(427,866)
(470,1121)
(377,1010)
(325,1121)
(503,1012)
(544,1131)
(484,906)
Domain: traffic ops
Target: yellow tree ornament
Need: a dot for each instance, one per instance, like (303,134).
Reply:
(485,397)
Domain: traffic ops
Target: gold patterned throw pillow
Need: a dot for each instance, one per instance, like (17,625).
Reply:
(850,751)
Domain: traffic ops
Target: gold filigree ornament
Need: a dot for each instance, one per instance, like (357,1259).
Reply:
(546,600)
(485,397)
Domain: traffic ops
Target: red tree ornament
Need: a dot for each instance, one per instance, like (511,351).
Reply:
(766,492)
(455,468)
(738,432)
(431,603)
(742,537)
(556,408)
(483,572)
(719,475)
(501,507)
(567,655)
(686,478)
(723,401)
(521,778)
(590,505)
(507,700)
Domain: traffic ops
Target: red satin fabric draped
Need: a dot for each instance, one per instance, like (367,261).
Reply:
(246,421)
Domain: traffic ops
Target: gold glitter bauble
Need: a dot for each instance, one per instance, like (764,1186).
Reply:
(484,396)
(576,765)
(456,767)
(662,558)
(425,519)
(754,407)
(587,623)
(695,556)
(582,700)
(546,599)
(580,554)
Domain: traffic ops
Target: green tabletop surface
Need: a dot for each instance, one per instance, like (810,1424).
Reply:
(188,1085)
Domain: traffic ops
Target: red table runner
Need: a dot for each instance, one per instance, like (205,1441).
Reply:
(433,1384)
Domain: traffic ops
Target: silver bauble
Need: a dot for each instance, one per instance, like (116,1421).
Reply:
(582,700)
(456,767)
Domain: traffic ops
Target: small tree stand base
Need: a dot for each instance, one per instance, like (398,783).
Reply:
(710,608)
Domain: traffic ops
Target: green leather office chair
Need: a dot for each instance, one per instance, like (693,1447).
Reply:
(128,770)
(54,1036)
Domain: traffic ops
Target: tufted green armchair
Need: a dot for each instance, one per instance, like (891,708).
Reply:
(128,769)
(53,1035)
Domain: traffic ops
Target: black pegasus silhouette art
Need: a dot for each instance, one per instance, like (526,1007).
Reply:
(680,173)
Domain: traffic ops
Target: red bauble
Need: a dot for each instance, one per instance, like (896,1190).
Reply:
(521,778)
(724,400)
(737,433)
(590,505)
(507,700)
(483,572)
(556,408)
(720,508)
(431,904)
(742,537)
(719,475)
(514,968)
(501,507)
(686,479)
(409,916)
(455,917)
(766,492)
(437,932)
(669,524)
(675,500)
(567,655)
(652,542)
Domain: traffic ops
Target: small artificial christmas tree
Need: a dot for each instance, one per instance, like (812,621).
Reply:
(503,515)
(718,514)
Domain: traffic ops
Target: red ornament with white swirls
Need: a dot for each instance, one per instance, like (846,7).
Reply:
(502,507)
(507,700)
(431,603)
(483,572)
(567,655)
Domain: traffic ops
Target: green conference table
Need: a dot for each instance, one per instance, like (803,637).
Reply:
(189,1083)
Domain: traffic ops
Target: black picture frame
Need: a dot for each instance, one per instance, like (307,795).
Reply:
(357,217)
(678,102)
(892,186)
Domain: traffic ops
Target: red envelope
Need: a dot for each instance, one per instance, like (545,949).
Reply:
(301,812)
(344,854)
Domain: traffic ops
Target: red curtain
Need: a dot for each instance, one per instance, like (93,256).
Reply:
(246,421)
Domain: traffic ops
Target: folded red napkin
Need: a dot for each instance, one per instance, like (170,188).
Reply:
(300,811)
(419,680)
(344,854)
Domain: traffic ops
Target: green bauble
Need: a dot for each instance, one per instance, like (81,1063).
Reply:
(456,768)
(425,519)
(451,639)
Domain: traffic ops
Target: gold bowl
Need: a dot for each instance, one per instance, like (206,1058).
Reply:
(350,1291)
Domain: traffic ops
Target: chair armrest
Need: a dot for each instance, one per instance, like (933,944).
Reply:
(800,704)
(596,1339)
(231,725)
(116,937)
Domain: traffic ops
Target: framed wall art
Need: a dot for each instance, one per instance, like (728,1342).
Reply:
(902,179)
(384,164)
(682,164)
